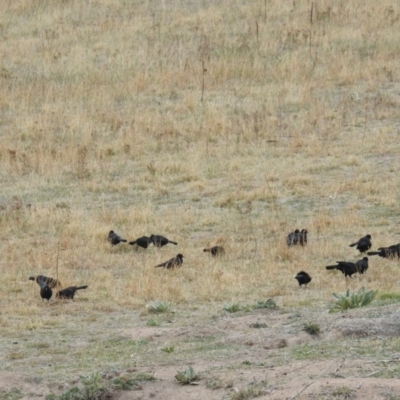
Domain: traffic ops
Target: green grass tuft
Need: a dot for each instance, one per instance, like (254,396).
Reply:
(158,307)
(312,329)
(270,304)
(251,391)
(233,308)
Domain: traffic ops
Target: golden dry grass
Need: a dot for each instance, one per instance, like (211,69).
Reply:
(103,127)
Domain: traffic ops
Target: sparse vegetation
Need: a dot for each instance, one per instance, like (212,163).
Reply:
(251,391)
(130,382)
(258,325)
(233,308)
(12,394)
(270,303)
(311,328)
(158,307)
(168,349)
(93,387)
(153,322)
(187,376)
(215,383)
(389,297)
(96,387)
(343,392)
(350,300)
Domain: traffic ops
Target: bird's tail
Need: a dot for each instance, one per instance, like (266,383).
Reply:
(207,250)
(159,266)
(331,267)
(82,287)
(123,240)
(353,244)
(132,243)
(173,242)
(373,253)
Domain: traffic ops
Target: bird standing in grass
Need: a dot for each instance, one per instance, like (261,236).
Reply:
(51,282)
(45,290)
(387,252)
(347,268)
(172,263)
(293,238)
(363,244)
(114,239)
(216,251)
(160,241)
(143,241)
(296,237)
(362,265)
(303,237)
(303,278)
(69,292)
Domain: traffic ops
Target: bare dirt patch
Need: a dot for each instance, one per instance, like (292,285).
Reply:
(263,352)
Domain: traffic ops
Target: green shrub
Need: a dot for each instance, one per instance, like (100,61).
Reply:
(352,300)
(187,376)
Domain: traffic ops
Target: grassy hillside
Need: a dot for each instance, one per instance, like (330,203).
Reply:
(210,122)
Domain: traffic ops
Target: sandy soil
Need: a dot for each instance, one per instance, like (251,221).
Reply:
(258,359)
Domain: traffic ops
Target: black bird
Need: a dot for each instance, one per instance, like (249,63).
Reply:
(293,238)
(297,237)
(303,237)
(387,252)
(362,265)
(160,241)
(114,239)
(216,250)
(69,292)
(143,241)
(303,278)
(363,244)
(45,290)
(172,263)
(347,268)
(51,282)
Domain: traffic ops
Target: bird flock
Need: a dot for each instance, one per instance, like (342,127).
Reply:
(160,241)
(144,241)
(295,238)
(47,284)
(348,268)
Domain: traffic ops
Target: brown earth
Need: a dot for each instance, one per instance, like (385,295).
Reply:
(258,354)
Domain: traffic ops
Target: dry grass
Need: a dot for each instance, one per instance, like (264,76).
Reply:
(103,127)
